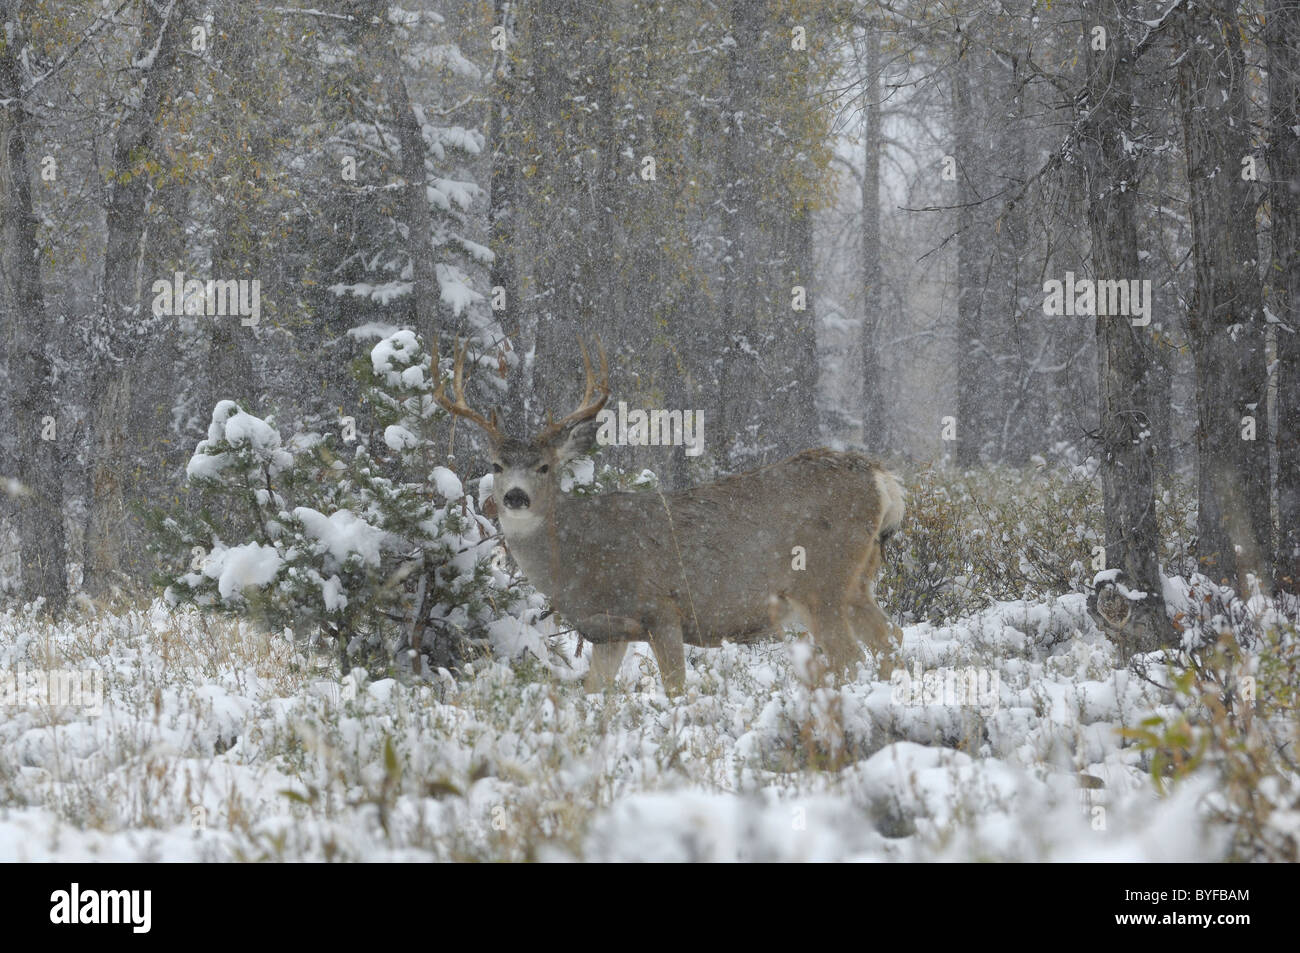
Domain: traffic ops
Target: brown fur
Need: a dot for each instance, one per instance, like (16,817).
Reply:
(715,562)
(697,566)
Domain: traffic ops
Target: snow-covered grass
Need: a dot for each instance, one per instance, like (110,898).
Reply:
(217,742)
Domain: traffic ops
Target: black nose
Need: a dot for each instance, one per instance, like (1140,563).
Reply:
(516,498)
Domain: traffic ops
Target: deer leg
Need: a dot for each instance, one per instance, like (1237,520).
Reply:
(867,572)
(835,636)
(666,642)
(883,637)
(866,618)
(606,660)
(828,630)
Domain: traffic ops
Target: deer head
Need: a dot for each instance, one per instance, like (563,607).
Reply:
(526,473)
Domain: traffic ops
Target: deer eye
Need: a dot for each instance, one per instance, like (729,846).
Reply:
(543,468)
(497,468)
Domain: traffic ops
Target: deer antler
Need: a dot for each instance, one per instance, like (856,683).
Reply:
(588,408)
(459,407)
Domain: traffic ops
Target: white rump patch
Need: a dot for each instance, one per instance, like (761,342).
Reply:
(891,501)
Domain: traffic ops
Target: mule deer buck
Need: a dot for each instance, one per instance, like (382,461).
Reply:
(695,566)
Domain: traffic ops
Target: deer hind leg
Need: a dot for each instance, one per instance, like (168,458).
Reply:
(825,624)
(867,619)
(883,637)
(666,643)
(836,637)
(606,660)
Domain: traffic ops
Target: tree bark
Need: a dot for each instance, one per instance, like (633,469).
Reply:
(110,528)
(797,425)
(236,244)
(415,205)
(1282,35)
(1019,336)
(738,367)
(874,430)
(971,365)
(551,191)
(503,212)
(1227,325)
(38,468)
(1125,354)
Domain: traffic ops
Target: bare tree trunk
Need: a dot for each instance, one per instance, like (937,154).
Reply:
(1282,33)
(971,366)
(738,369)
(1020,336)
(603,311)
(415,205)
(874,432)
(1161,406)
(797,425)
(550,310)
(230,363)
(1227,324)
(1125,354)
(38,468)
(503,211)
(111,527)
(236,244)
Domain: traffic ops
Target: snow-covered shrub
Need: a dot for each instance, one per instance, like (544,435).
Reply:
(1234,718)
(370,545)
(929,562)
(972,538)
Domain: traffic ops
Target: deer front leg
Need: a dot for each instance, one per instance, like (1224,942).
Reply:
(666,642)
(606,660)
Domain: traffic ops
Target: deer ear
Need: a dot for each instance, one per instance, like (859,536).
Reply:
(578,439)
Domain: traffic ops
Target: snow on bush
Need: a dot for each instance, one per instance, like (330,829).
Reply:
(373,547)
(235,437)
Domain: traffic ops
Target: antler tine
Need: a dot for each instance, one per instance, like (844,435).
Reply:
(587,408)
(460,407)
(586,370)
(458,372)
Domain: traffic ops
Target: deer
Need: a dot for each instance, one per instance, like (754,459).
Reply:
(699,566)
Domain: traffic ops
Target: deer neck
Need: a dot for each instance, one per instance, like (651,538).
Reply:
(534,543)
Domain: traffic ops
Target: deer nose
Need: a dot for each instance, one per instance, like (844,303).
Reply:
(516,499)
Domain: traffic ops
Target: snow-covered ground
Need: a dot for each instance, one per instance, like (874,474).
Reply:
(216,742)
